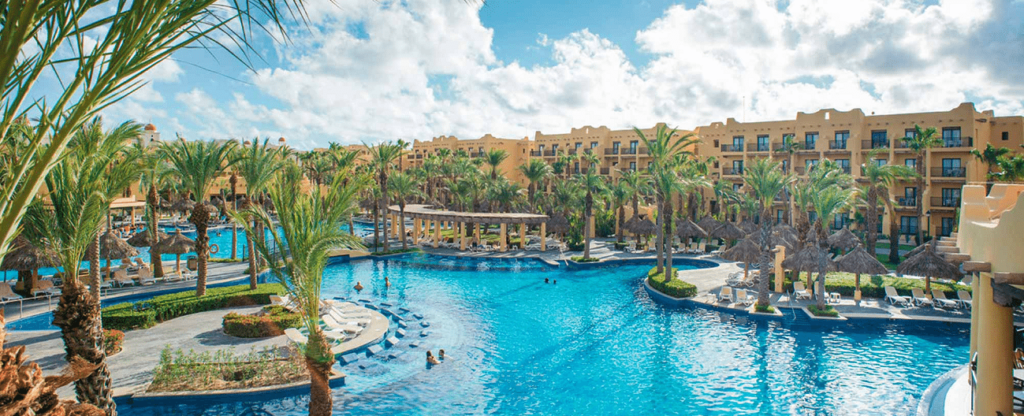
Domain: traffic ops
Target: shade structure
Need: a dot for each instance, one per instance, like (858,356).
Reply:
(176,244)
(728,231)
(917,250)
(688,229)
(808,260)
(843,240)
(785,229)
(558,224)
(929,265)
(709,224)
(860,262)
(183,205)
(746,251)
(165,204)
(25,256)
(747,226)
(645,227)
(113,247)
(631,222)
(144,238)
(784,239)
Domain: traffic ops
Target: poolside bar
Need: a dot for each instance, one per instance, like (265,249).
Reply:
(428,220)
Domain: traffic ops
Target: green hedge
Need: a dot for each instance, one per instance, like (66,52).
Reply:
(828,311)
(764,308)
(144,314)
(874,286)
(272,322)
(675,288)
(581,259)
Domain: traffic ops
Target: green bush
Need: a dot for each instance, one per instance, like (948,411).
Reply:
(144,314)
(621,246)
(675,288)
(112,340)
(580,259)
(874,286)
(828,311)
(272,322)
(765,308)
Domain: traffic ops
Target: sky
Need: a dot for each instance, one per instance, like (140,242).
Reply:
(363,71)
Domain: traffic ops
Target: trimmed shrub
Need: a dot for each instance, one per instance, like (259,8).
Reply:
(271,322)
(144,314)
(112,341)
(874,286)
(580,259)
(675,288)
(765,308)
(828,311)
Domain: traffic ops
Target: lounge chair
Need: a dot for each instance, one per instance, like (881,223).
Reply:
(335,326)
(352,315)
(348,319)
(122,279)
(726,293)
(940,298)
(744,298)
(45,287)
(188,274)
(920,299)
(702,248)
(965,298)
(283,301)
(295,336)
(7,293)
(140,263)
(800,291)
(146,276)
(894,298)
(692,249)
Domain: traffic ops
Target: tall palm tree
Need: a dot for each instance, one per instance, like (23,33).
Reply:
(494,158)
(1011,169)
(80,189)
(620,194)
(257,163)
(403,186)
(765,180)
(879,179)
(153,172)
(535,170)
(990,156)
(383,156)
(310,228)
(790,147)
(827,202)
(923,140)
(198,164)
(593,186)
(663,149)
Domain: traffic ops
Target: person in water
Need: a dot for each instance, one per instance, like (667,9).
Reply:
(555,282)
(387,283)
(545,280)
(431,359)
(440,354)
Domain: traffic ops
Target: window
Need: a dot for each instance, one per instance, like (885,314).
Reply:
(810,140)
(811,163)
(554,149)
(879,139)
(910,163)
(780,216)
(762,143)
(632,166)
(910,133)
(841,138)
(615,148)
(785,166)
(737,143)
(540,149)
(951,168)
(879,224)
(951,197)
(909,197)
(951,137)
(650,165)
(788,138)
(881,162)
(632,147)
(579,146)
(593,145)
(481,149)
(1006,135)
(844,164)
(576,167)
(840,221)
(947,227)
(737,167)
(908,225)
(736,187)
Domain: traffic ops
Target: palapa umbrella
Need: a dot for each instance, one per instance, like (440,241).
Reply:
(143,238)
(746,251)
(747,226)
(688,229)
(843,240)
(164,204)
(709,224)
(176,244)
(784,239)
(860,262)
(929,265)
(558,224)
(728,231)
(25,256)
(644,227)
(917,250)
(113,247)
(807,260)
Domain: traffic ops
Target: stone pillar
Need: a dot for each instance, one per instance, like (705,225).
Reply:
(974,317)
(133,217)
(522,236)
(437,233)
(462,236)
(994,391)
(543,236)
(501,242)
(780,274)
(416,231)
(476,234)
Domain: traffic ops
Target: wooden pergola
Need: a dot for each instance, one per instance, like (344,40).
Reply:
(427,220)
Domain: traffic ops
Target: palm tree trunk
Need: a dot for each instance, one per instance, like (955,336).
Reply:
(922,170)
(319,361)
(200,216)
(154,223)
(819,294)
(253,268)
(384,206)
(401,227)
(376,226)
(78,316)
(351,226)
(894,233)
(621,214)
(94,267)
(872,219)
(659,241)
(667,232)
(763,298)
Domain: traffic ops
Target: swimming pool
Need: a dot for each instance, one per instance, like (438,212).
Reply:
(596,344)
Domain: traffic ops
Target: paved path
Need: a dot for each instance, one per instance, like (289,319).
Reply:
(133,367)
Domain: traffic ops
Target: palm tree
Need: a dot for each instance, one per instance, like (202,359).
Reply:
(535,170)
(198,164)
(620,195)
(403,187)
(923,140)
(80,189)
(879,179)
(765,180)
(310,228)
(153,172)
(790,147)
(663,150)
(383,156)
(593,186)
(827,202)
(494,158)
(257,164)
(990,156)
(1012,169)
(639,185)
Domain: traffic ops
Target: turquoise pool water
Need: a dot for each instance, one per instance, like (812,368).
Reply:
(596,344)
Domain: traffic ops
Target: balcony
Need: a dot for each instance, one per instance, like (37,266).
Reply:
(808,147)
(612,151)
(945,202)
(955,142)
(605,171)
(732,148)
(874,144)
(419,156)
(846,169)
(957,172)
(629,151)
(800,170)
(837,145)
(643,150)
(732,171)
(906,202)
(760,147)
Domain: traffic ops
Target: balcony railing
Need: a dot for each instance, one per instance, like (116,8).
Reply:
(732,148)
(836,145)
(419,156)
(948,142)
(629,151)
(944,201)
(808,147)
(906,202)
(874,144)
(604,171)
(759,147)
(846,169)
(643,150)
(732,171)
(612,151)
(949,172)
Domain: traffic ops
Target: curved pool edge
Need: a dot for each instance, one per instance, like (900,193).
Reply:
(214,396)
(933,400)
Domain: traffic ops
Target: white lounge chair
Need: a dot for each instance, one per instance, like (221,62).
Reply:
(336,326)
(894,298)
(965,298)
(800,291)
(7,293)
(726,293)
(283,301)
(45,287)
(122,279)
(348,320)
(295,336)
(743,297)
(940,297)
(920,299)
(146,276)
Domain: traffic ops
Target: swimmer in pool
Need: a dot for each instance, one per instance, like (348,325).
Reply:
(440,354)
(431,359)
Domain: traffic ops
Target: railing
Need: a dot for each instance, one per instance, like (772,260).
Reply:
(759,147)
(419,156)
(837,145)
(732,148)
(846,169)
(948,202)
(950,172)
(957,142)
(800,170)
(940,231)
(906,202)
(732,171)
(643,150)
(809,147)
(612,151)
(874,144)
(629,151)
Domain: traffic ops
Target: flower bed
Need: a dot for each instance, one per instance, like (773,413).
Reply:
(223,370)
(675,288)
(271,321)
(112,341)
(144,314)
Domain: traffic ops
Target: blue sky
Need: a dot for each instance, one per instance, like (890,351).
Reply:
(366,71)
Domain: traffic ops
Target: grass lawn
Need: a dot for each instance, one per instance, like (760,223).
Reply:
(884,258)
(907,247)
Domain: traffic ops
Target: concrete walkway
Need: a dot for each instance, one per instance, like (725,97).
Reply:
(133,367)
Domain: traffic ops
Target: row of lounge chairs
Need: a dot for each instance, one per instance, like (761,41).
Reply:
(342,321)
(918,298)
(740,296)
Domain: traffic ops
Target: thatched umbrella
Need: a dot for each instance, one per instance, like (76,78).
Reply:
(687,229)
(784,239)
(929,265)
(558,224)
(113,247)
(917,250)
(709,224)
(807,260)
(183,205)
(860,262)
(728,231)
(747,226)
(843,240)
(631,223)
(25,256)
(143,238)
(644,227)
(746,251)
(176,244)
